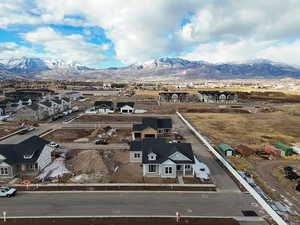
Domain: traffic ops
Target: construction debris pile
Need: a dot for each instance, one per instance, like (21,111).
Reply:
(89,167)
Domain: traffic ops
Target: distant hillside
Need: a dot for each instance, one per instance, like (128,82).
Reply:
(157,69)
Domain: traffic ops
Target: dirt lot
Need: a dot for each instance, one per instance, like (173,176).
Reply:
(107,118)
(67,135)
(7,128)
(121,221)
(87,135)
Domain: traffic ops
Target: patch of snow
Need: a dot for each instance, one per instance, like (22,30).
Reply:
(55,169)
(201,170)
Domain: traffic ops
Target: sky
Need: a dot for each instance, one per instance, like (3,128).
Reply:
(114,33)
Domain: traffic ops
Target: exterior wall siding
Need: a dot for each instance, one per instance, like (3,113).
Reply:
(133,159)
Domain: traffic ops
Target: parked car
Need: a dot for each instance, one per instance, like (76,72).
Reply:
(53,144)
(25,131)
(101,142)
(7,192)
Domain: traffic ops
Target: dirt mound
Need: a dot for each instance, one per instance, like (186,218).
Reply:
(89,162)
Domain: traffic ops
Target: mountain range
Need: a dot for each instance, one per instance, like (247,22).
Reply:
(157,69)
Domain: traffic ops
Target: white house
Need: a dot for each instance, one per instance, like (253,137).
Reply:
(125,107)
(163,159)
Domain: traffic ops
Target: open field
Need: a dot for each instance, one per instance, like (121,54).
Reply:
(253,130)
(256,130)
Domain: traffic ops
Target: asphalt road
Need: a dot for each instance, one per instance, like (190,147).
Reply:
(127,203)
(218,174)
(17,138)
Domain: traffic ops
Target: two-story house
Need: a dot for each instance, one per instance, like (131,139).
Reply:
(26,158)
(152,127)
(163,159)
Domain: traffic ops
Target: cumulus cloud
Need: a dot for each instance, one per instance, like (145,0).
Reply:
(12,49)
(68,47)
(244,50)
(142,30)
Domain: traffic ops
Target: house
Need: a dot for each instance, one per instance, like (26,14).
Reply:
(47,106)
(26,158)
(32,112)
(226,150)
(173,96)
(67,103)
(217,97)
(125,107)
(163,159)
(73,96)
(104,106)
(151,128)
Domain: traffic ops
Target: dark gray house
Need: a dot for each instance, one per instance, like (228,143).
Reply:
(163,159)
(152,127)
(173,96)
(217,97)
(25,158)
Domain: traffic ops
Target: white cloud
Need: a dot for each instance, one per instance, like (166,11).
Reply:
(70,47)
(12,49)
(141,30)
(246,50)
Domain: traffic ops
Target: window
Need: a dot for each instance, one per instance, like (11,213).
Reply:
(137,155)
(188,167)
(152,168)
(168,170)
(4,171)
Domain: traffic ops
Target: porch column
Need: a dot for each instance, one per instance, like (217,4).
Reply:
(183,169)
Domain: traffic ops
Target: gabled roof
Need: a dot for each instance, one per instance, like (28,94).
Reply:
(57,101)
(163,150)
(104,104)
(122,104)
(66,99)
(46,103)
(14,153)
(34,107)
(154,123)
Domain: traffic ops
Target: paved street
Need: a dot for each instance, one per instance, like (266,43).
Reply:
(127,203)
(218,174)
(15,139)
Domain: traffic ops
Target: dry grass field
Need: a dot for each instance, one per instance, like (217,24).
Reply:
(253,130)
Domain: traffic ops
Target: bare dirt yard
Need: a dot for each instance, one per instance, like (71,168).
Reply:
(7,128)
(107,118)
(87,135)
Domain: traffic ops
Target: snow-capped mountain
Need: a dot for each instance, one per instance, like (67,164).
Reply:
(26,65)
(161,68)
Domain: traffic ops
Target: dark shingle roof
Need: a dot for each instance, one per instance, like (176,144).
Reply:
(57,101)
(154,123)
(46,103)
(34,107)
(66,99)
(104,104)
(162,149)
(15,153)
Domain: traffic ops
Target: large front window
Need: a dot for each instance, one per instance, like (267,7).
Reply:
(137,155)
(152,168)
(168,170)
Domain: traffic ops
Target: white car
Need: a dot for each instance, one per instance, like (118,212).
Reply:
(7,192)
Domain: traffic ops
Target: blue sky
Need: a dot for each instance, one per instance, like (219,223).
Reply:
(114,33)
